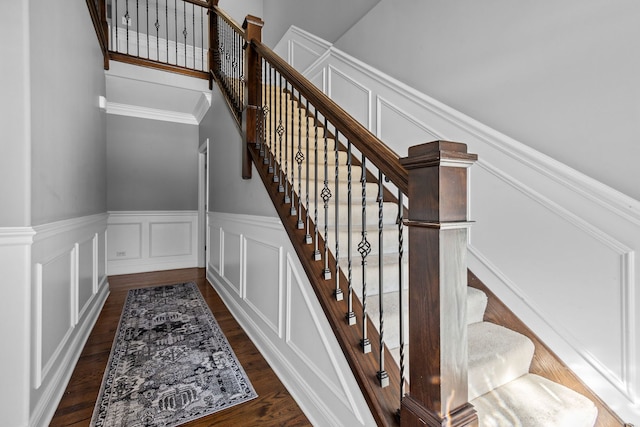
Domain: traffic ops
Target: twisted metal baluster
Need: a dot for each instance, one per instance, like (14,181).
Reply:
(157,25)
(268,159)
(400,223)
(166,32)
(364,247)
(326,196)
(127,16)
(193,32)
(337,293)
(350,316)
(147,16)
(138,28)
(202,66)
(299,159)
(175,18)
(287,199)
(316,252)
(307,237)
(291,141)
(280,132)
(382,374)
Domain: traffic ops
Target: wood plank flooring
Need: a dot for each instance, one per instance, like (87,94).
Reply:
(273,407)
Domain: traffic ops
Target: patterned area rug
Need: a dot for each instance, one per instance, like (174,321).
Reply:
(170,362)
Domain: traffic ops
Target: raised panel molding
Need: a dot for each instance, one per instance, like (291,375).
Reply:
(400,123)
(309,352)
(141,241)
(361,111)
(64,258)
(231,260)
(315,373)
(262,281)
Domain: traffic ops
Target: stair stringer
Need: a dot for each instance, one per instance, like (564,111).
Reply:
(312,367)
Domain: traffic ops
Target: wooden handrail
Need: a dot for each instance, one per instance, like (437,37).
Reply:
(374,149)
(229,20)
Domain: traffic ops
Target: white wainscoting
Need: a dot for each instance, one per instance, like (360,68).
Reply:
(258,275)
(141,241)
(558,247)
(68,289)
(15,263)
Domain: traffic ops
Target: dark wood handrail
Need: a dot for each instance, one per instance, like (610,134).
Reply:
(375,150)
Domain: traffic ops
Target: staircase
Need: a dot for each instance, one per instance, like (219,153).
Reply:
(501,389)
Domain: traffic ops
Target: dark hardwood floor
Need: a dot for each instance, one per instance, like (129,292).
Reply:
(273,407)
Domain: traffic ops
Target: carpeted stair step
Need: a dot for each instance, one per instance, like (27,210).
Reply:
(390,272)
(534,401)
(389,240)
(476,304)
(497,355)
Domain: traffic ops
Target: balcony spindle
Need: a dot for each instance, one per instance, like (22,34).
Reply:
(307,237)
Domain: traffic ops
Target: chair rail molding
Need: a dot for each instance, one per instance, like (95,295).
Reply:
(541,227)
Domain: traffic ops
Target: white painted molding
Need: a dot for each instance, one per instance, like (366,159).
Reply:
(141,241)
(315,373)
(16,236)
(151,113)
(202,107)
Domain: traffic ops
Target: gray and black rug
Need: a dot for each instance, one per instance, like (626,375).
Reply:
(170,363)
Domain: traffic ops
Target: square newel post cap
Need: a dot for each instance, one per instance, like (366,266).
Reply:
(438,153)
(252,20)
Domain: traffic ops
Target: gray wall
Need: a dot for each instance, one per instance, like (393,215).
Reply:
(326,19)
(561,77)
(239,9)
(14,115)
(228,192)
(151,165)
(67,127)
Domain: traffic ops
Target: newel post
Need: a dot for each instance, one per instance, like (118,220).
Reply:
(253,104)
(438,228)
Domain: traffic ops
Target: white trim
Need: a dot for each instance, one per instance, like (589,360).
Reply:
(151,113)
(46,231)
(141,256)
(202,107)
(16,236)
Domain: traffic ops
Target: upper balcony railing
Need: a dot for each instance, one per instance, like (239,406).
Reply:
(168,34)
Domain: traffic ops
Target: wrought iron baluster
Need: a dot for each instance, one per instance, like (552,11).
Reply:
(157,25)
(184,31)
(383,376)
(175,19)
(316,252)
(202,66)
(193,33)
(287,199)
(291,141)
(265,107)
(114,26)
(280,131)
(300,159)
(326,196)
(137,28)
(337,293)
(166,21)
(268,157)
(350,316)
(147,16)
(364,247)
(307,237)
(400,223)
(127,17)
